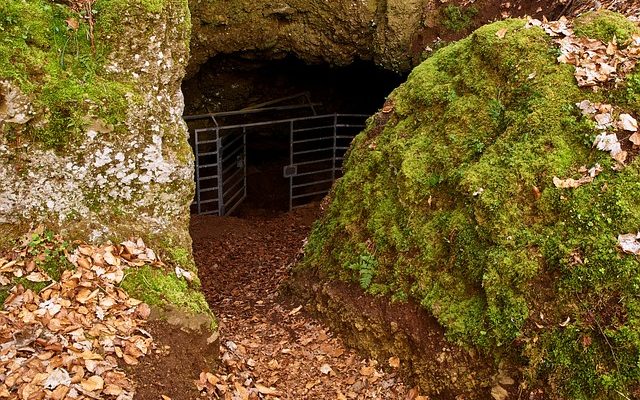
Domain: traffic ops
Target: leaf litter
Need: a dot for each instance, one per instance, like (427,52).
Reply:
(271,348)
(599,64)
(67,340)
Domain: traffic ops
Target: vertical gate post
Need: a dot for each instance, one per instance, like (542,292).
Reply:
(197,168)
(219,157)
(291,163)
(335,144)
(244,161)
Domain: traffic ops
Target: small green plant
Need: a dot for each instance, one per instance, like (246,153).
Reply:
(50,253)
(367,267)
(456,18)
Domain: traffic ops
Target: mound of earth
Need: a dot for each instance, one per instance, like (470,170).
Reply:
(497,192)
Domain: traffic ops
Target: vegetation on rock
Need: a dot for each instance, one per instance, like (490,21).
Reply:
(449,201)
(456,18)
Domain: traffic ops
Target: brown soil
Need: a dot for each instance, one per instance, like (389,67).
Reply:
(172,366)
(266,340)
(387,329)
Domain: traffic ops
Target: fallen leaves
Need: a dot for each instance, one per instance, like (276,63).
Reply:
(630,243)
(67,338)
(603,115)
(92,384)
(628,123)
(587,177)
(596,63)
(499,393)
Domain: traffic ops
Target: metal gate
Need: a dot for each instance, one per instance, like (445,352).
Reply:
(317,145)
(317,148)
(220,170)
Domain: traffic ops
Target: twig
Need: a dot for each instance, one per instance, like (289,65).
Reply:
(622,394)
(89,10)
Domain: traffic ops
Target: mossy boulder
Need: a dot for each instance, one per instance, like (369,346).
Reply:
(92,141)
(448,200)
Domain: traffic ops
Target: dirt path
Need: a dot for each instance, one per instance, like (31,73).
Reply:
(271,349)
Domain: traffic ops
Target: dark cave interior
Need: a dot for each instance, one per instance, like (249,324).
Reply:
(231,83)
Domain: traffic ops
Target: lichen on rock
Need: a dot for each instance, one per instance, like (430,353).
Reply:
(92,141)
(448,201)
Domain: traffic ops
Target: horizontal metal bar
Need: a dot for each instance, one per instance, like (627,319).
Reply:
(299,196)
(284,121)
(208,201)
(209,153)
(314,172)
(353,115)
(314,128)
(217,212)
(201,130)
(208,165)
(297,153)
(246,112)
(342,148)
(311,183)
(345,136)
(313,162)
(207,178)
(350,126)
(211,189)
(312,140)
(208,142)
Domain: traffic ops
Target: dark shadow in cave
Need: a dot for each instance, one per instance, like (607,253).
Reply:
(227,83)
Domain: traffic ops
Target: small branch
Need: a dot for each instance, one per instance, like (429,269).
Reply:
(89,10)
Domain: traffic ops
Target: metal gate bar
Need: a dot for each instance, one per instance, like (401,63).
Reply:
(311,176)
(317,145)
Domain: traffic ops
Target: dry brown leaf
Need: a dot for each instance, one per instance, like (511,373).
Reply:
(267,390)
(93,383)
(394,362)
(499,393)
(501,33)
(113,390)
(367,370)
(130,360)
(628,123)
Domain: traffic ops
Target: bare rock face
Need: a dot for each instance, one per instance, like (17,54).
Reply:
(91,137)
(336,32)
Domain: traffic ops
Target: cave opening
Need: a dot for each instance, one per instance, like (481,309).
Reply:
(270,135)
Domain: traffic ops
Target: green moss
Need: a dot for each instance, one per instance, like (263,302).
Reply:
(605,25)
(158,288)
(456,18)
(446,201)
(57,66)
(49,253)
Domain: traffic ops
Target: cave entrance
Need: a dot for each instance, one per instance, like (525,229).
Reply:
(283,143)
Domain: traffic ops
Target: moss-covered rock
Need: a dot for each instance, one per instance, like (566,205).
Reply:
(605,25)
(92,138)
(448,200)
(92,141)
